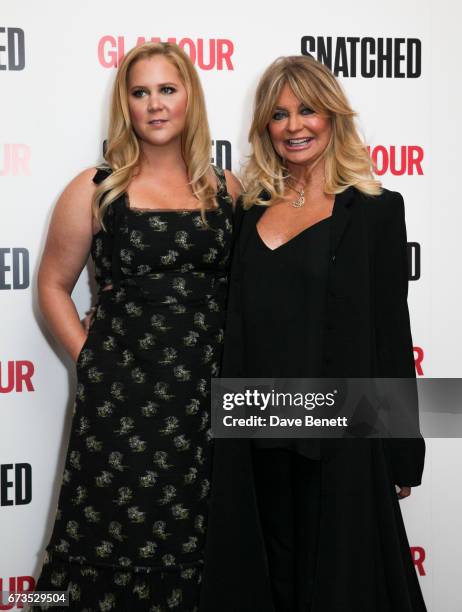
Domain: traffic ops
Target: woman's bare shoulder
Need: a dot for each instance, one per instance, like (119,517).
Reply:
(82,182)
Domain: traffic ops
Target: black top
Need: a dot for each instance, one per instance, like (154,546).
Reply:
(283,301)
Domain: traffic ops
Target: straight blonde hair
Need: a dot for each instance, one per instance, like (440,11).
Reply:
(347,162)
(123,148)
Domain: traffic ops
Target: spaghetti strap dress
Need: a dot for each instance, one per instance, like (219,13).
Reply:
(132,512)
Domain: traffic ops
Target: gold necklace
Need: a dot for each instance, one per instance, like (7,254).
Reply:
(300,201)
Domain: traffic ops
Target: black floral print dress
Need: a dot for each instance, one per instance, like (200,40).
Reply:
(132,513)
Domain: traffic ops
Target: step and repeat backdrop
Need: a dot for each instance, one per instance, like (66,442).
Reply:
(398,62)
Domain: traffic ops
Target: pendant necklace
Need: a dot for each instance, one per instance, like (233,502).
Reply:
(300,201)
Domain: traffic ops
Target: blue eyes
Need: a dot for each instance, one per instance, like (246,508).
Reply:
(280,114)
(166,89)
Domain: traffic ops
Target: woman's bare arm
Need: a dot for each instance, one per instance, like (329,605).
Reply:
(65,255)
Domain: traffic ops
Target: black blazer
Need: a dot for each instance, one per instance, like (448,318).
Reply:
(367,334)
(367,330)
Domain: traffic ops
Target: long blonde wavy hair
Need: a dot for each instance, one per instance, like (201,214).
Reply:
(347,162)
(123,147)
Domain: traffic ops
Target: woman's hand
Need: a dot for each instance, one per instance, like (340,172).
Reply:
(76,352)
(403,492)
(88,320)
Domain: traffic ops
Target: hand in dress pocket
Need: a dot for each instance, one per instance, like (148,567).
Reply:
(88,320)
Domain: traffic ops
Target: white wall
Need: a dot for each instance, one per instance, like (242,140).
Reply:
(53,120)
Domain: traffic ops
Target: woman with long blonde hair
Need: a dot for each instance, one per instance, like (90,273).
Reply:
(156,219)
(318,290)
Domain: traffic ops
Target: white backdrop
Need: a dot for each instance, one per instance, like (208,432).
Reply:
(56,71)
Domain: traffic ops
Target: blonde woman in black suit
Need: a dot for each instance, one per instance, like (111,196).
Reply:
(318,289)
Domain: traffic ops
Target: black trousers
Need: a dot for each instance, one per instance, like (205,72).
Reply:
(288,496)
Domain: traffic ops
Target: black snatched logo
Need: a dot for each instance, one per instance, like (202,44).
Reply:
(413,260)
(12,49)
(221,153)
(15,484)
(14,268)
(353,56)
